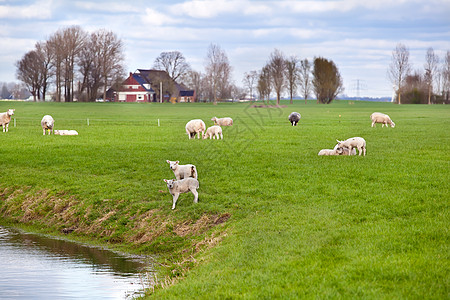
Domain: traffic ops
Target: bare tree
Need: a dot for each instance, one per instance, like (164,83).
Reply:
(277,66)
(327,80)
(249,81)
(173,63)
(264,84)
(399,68)
(292,75)
(431,67)
(46,55)
(28,71)
(193,80)
(305,78)
(446,77)
(218,72)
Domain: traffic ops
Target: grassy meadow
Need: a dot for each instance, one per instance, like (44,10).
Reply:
(274,220)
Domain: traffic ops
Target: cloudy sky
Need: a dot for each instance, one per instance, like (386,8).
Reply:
(357,35)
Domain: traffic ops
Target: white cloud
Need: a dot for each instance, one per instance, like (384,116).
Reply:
(153,17)
(111,7)
(38,10)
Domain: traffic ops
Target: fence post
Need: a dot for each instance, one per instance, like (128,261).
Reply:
(14,122)
(88,121)
(158,122)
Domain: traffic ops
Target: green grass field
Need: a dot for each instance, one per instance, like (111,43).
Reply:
(274,220)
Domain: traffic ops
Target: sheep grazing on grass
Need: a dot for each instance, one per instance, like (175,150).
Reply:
(182,171)
(213,132)
(47,124)
(222,121)
(294,117)
(5,118)
(355,142)
(194,127)
(381,118)
(65,132)
(182,186)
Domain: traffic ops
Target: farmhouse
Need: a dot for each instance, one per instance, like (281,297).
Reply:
(152,86)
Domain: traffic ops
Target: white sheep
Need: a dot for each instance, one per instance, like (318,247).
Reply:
(213,132)
(345,151)
(294,117)
(47,123)
(227,121)
(355,142)
(182,171)
(330,151)
(182,186)
(384,119)
(5,118)
(65,132)
(194,127)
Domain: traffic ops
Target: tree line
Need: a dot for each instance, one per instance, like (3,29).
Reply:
(79,65)
(74,62)
(428,85)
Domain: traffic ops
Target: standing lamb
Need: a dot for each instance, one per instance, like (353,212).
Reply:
(47,123)
(5,118)
(182,186)
(381,118)
(355,142)
(194,127)
(213,132)
(294,117)
(227,121)
(182,171)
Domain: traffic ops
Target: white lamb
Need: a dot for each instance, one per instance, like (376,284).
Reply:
(355,142)
(182,171)
(330,151)
(5,118)
(182,186)
(47,123)
(65,132)
(194,127)
(345,151)
(213,132)
(381,118)
(222,121)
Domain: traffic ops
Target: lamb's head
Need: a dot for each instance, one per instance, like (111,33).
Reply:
(50,124)
(392,124)
(11,112)
(340,144)
(339,150)
(170,183)
(173,164)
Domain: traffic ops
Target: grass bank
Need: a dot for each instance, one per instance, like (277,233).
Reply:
(273,218)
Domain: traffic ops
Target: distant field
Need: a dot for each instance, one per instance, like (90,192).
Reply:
(274,220)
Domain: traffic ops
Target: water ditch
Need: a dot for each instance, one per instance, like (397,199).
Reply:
(34,266)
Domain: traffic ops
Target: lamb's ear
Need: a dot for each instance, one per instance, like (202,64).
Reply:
(338,141)
(168,161)
(165,180)
(177,162)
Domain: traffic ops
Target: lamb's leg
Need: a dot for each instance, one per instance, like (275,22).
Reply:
(364,151)
(194,191)
(359,150)
(175,198)
(221,135)
(43,131)
(373,124)
(7,127)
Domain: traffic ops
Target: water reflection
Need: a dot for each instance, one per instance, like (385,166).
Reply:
(38,267)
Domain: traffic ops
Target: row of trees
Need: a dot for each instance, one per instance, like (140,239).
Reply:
(428,85)
(75,62)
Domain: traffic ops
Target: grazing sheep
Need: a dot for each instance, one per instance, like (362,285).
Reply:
(345,151)
(182,186)
(65,132)
(213,132)
(5,118)
(355,142)
(222,121)
(182,171)
(47,123)
(294,117)
(381,118)
(194,127)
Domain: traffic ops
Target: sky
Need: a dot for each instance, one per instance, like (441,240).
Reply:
(357,35)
